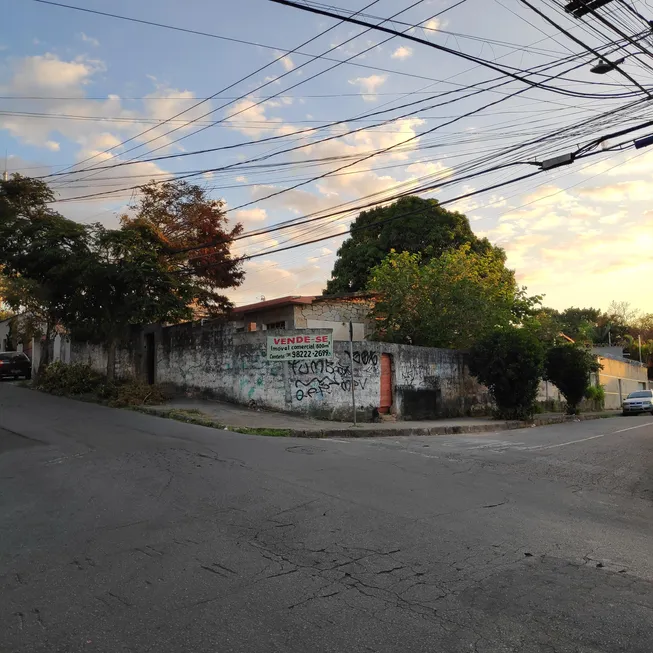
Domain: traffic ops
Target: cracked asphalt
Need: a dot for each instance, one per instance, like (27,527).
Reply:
(124,532)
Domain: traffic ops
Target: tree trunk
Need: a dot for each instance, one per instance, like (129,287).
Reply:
(44,353)
(111,360)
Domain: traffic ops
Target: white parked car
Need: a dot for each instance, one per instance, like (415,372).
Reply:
(638,402)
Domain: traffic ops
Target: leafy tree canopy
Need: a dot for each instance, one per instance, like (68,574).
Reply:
(510,363)
(411,224)
(449,301)
(195,238)
(568,367)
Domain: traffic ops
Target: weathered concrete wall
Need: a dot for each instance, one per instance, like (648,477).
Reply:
(620,378)
(426,383)
(336,314)
(215,359)
(96,356)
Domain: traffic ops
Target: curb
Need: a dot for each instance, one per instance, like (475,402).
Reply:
(353,433)
(444,430)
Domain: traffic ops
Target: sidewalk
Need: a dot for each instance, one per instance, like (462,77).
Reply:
(235,417)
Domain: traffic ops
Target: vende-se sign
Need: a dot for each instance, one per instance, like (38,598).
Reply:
(294,347)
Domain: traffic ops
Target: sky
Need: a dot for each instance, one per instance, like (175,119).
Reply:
(86,90)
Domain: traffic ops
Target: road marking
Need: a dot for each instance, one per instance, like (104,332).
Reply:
(564,444)
(639,426)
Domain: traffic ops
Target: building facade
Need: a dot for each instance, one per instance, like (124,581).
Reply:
(309,312)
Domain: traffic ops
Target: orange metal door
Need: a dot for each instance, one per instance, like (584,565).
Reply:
(386,383)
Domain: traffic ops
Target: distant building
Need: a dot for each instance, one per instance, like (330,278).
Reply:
(309,312)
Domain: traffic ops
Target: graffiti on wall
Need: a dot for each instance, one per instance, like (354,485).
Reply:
(318,378)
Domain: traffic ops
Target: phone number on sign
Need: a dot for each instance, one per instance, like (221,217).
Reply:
(323,353)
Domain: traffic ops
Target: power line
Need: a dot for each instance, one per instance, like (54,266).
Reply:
(242,79)
(443,48)
(578,42)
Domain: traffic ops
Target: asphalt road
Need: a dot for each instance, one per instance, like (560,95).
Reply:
(124,532)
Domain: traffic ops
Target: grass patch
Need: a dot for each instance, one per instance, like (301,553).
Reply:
(195,416)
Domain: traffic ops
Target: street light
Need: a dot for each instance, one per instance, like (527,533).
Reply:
(606,66)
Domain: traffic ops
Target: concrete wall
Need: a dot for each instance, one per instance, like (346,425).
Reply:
(216,360)
(330,313)
(336,314)
(620,378)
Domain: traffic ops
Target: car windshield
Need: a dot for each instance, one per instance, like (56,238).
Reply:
(6,357)
(644,394)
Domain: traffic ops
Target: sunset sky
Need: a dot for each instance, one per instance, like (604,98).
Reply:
(75,86)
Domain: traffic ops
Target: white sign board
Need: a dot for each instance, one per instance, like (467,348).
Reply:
(299,346)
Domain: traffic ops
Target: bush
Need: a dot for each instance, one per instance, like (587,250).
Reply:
(510,364)
(74,379)
(568,367)
(79,379)
(596,394)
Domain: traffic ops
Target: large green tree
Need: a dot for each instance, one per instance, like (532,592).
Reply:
(195,239)
(449,301)
(42,255)
(127,282)
(510,363)
(569,367)
(411,224)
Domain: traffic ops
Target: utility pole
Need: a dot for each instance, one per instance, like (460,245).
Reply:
(351,358)
(639,339)
(5,174)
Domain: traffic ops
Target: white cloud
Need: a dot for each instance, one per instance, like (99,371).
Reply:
(89,39)
(248,216)
(433,24)
(619,192)
(53,146)
(369,85)
(287,63)
(402,52)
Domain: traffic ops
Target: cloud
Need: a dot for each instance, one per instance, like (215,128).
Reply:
(247,216)
(89,39)
(53,146)
(369,85)
(619,192)
(250,118)
(402,52)
(48,72)
(433,24)
(272,278)
(287,63)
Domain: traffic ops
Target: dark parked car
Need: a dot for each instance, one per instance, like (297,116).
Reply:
(15,364)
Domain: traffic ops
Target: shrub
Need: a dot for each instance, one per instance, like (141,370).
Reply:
(79,379)
(596,394)
(74,379)
(135,393)
(510,363)
(568,367)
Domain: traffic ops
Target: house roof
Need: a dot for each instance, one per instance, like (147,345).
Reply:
(275,303)
(291,300)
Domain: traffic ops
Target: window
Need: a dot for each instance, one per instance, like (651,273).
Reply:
(645,394)
(275,325)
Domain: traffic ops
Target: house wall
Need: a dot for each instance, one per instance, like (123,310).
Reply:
(269,316)
(336,314)
(5,328)
(216,360)
(619,378)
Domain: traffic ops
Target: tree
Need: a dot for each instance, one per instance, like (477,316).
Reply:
(425,228)
(195,240)
(510,363)
(449,301)
(568,367)
(127,282)
(41,255)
